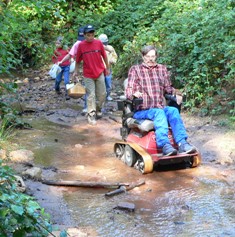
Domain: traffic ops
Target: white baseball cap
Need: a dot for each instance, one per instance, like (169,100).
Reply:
(103,38)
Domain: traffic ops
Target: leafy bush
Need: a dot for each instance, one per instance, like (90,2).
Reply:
(19,214)
(195,39)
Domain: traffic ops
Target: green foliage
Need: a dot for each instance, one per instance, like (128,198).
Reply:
(9,117)
(195,39)
(6,131)
(26,31)
(20,214)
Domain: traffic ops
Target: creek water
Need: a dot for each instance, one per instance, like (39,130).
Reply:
(172,202)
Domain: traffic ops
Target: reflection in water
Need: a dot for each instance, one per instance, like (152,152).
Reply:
(172,203)
(192,211)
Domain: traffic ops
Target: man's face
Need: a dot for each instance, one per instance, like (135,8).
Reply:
(150,58)
(89,37)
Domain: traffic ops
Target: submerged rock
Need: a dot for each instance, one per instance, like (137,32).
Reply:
(21,156)
(21,187)
(126,206)
(34,173)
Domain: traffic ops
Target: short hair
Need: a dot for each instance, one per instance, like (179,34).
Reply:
(147,48)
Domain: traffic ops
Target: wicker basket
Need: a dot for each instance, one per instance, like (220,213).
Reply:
(77,91)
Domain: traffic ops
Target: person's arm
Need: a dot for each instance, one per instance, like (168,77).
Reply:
(167,81)
(107,48)
(107,66)
(113,55)
(133,87)
(78,59)
(67,57)
(105,59)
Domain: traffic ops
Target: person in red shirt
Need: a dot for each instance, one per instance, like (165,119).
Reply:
(91,51)
(151,82)
(59,54)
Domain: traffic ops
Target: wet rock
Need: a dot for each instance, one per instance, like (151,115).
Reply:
(72,232)
(20,185)
(37,78)
(78,146)
(33,173)
(52,168)
(80,167)
(222,146)
(21,156)
(225,160)
(18,82)
(50,113)
(26,80)
(185,207)
(29,108)
(179,223)
(126,206)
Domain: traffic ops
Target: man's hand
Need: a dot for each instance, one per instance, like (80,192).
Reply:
(179,99)
(179,96)
(138,94)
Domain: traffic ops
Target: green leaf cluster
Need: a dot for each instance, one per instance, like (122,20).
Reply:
(20,214)
(196,39)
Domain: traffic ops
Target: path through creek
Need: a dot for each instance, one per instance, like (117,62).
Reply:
(174,201)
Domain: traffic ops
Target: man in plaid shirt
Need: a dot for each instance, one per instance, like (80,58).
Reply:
(151,82)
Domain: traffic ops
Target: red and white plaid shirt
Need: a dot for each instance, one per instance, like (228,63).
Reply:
(153,82)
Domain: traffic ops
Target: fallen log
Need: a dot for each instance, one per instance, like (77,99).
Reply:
(123,189)
(87,184)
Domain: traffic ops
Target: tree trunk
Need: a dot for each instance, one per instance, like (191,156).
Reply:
(87,184)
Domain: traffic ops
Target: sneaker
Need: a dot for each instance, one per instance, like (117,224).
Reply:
(58,92)
(84,112)
(91,118)
(109,98)
(67,97)
(168,150)
(186,148)
(99,115)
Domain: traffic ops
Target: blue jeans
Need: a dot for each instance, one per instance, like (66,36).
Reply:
(65,72)
(108,83)
(161,118)
(85,101)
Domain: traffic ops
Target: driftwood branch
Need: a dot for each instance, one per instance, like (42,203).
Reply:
(87,184)
(123,189)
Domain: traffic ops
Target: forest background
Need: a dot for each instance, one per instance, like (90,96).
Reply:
(195,39)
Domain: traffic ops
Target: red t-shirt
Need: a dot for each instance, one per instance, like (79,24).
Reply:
(91,54)
(59,54)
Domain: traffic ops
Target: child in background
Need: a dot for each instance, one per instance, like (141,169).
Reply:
(72,54)
(59,54)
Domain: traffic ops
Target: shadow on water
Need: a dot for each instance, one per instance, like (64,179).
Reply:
(173,202)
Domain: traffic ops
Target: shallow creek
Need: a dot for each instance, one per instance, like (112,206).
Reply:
(172,202)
